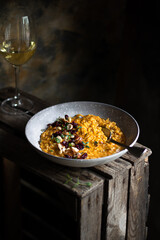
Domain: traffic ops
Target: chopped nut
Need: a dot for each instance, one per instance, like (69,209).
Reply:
(61,148)
(69,119)
(78,155)
(72,144)
(74,149)
(69,126)
(60,139)
(78,139)
(65,138)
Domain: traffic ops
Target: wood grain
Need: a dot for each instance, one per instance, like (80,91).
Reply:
(116,175)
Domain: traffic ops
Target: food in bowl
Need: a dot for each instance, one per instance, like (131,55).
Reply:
(80,137)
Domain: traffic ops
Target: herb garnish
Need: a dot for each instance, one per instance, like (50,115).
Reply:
(78,183)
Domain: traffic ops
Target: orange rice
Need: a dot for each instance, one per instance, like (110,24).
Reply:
(95,142)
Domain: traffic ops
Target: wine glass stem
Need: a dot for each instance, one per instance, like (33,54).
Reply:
(16,101)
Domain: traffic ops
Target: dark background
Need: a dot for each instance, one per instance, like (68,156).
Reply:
(106,51)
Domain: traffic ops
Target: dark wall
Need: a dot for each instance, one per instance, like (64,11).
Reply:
(107,51)
(78,53)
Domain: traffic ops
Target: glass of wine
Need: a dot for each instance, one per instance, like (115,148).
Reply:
(17,46)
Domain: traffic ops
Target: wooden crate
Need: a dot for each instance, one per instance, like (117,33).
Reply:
(51,201)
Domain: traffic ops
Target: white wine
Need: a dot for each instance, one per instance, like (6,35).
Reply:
(17,54)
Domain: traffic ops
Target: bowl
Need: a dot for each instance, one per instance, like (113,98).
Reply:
(39,121)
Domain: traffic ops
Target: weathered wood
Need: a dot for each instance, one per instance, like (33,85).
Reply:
(138,198)
(17,124)
(36,228)
(75,204)
(130,158)
(12,215)
(38,103)
(1,200)
(116,175)
(90,214)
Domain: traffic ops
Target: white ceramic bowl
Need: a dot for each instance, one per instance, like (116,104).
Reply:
(39,121)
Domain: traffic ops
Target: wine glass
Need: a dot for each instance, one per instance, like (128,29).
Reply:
(17,46)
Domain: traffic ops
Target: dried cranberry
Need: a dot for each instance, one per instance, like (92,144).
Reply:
(66,117)
(72,131)
(74,124)
(66,144)
(57,134)
(68,156)
(83,156)
(80,146)
(73,140)
(54,135)
(56,124)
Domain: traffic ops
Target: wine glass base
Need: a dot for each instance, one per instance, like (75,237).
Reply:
(13,106)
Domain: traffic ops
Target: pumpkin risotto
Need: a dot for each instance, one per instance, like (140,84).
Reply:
(80,137)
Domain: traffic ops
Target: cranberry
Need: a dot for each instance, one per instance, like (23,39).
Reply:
(56,124)
(80,145)
(57,134)
(83,156)
(68,156)
(66,144)
(66,117)
(75,125)
(72,131)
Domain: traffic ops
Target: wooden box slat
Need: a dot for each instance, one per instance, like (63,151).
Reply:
(138,201)
(38,103)
(18,123)
(116,175)
(11,201)
(36,228)
(90,211)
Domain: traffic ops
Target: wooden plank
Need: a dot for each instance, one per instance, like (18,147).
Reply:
(144,157)
(138,197)
(18,123)
(116,175)
(12,215)
(90,215)
(89,201)
(36,228)
(137,204)
(38,103)
(1,199)
(55,196)
(147,197)
(80,194)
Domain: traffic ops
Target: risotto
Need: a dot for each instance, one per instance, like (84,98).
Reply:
(80,137)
